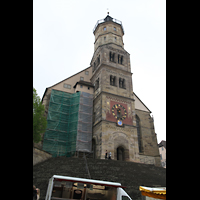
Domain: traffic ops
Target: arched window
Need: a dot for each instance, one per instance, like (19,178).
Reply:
(120,59)
(96,84)
(139,134)
(112,56)
(98,60)
(112,80)
(122,83)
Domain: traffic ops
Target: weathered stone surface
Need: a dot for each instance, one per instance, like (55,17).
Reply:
(40,155)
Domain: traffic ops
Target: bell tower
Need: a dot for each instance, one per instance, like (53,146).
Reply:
(114,120)
(107,31)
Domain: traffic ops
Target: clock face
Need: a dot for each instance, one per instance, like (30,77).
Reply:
(119,112)
(119,122)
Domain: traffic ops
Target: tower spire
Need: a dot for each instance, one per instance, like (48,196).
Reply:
(107,11)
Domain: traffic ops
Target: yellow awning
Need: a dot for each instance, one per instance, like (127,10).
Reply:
(159,192)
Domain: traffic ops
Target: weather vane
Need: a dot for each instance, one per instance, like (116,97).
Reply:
(108,11)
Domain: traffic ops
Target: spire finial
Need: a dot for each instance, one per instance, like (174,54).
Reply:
(107,11)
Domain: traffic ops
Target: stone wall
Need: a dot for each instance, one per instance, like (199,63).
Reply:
(147,159)
(148,138)
(40,155)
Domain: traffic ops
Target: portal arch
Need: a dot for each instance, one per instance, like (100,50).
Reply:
(120,153)
(121,147)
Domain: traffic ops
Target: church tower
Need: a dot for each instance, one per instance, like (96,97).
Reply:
(107,114)
(114,118)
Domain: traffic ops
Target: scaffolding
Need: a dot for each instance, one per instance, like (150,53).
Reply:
(84,133)
(69,123)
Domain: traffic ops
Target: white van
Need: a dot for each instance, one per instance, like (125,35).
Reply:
(71,188)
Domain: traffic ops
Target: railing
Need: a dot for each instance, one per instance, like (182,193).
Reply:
(102,20)
(86,165)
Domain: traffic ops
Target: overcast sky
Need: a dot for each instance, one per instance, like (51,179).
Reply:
(63,44)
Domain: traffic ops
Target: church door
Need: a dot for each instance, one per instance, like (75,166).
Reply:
(120,153)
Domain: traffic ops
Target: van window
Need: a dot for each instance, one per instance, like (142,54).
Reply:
(74,190)
(125,198)
(101,192)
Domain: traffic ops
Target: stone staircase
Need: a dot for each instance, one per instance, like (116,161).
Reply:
(129,174)
(74,167)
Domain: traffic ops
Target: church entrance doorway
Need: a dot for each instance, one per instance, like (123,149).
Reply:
(120,153)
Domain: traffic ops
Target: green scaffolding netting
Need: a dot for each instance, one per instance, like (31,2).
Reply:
(69,123)
(62,121)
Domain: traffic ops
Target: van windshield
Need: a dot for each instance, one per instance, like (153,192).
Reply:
(67,190)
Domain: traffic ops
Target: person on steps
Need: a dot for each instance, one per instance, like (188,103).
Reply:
(106,154)
(109,157)
(38,193)
(34,193)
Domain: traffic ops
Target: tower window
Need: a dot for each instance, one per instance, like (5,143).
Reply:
(97,84)
(67,86)
(139,134)
(120,59)
(122,83)
(114,29)
(94,66)
(98,60)
(104,38)
(86,72)
(82,78)
(96,63)
(112,80)
(104,28)
(112,56)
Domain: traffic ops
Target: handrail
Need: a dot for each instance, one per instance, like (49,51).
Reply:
(102,20)
(86,165)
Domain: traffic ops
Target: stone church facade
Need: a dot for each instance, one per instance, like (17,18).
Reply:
(122,124)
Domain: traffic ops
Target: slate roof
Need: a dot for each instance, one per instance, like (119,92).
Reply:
(162,144)
(84,83)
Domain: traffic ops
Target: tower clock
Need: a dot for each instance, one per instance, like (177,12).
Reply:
(119,112)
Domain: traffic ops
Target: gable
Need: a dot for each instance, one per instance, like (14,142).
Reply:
(139,105)
(72,80)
